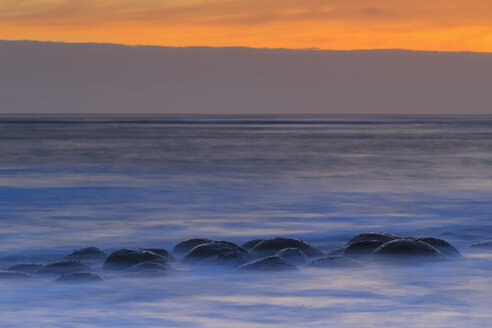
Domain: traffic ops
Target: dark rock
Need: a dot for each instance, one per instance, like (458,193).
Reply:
(13,275)
(88,253)
(442,246)
(25,267)
(125,258)
(64,267)
(384,237)
(404,249)
(271,263)
(149,267)
(334,262)
(251,243)
(219,252)
(293,256)
(270,247)
(162,252)
(362,248)
(79,277)
(186,246)
(487,244)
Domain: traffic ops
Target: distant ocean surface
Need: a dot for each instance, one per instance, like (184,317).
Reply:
(68,182)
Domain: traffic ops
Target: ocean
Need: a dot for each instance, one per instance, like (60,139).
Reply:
(68,182)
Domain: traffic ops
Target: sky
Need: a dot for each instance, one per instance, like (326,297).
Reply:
(443,25)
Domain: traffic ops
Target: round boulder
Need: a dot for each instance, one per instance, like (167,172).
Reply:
(148,269)
(88,253)
(487,244)
(25,267)
(270,247)
(293,256)
(79,277)
(64,267)
(362,248)
(380,236)
(442,246)
(219,252)
(186,246)
(125,258)
(271,263)
(251,243)
(403,249)
(162,252)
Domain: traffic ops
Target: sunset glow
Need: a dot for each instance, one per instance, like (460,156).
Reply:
(457,25)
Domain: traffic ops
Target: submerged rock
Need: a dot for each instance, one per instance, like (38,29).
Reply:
(251,243)
(271,263)
(64,267)
(162,252)
(442,246)
(402,249)
(219,252)
(148,269)
(25,267)
(88,253)
(380,236)
(79,277)
(186,246)
(334,262)
(125,258)
(487,244)
(13,275)
(362,248)
(337,251)
(293,256)
(270,247)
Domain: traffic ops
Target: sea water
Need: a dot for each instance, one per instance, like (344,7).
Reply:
(114,182)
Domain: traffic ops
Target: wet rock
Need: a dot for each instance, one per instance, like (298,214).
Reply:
(442,246)
(293,256)
(362,248)
(13,275)
(79,277)
(88,253)
(487,244)
(403,249)
(125,258)
(25,267)
(251,243)
(271,263)
(64,267)
(384,237)
(149,268)
(219,252)
(270,247)
(186,246)
(334,262)
(162,252)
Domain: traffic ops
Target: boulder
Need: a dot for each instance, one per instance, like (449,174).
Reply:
(442,246)
(218,252)
(406,249)
(162,252)
(487,244)
(25,267)
(362,248)
(125,258)
(64,267)
(79,277)
(251,243)
(384,237)
(186,246)
(293,256)
(271,263)
(88,253)
(334,262)
(337,251)
(270,247)
(148,269)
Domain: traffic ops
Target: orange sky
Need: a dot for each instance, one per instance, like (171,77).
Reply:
(447,25)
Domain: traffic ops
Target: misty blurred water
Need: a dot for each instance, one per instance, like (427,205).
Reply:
(151,181)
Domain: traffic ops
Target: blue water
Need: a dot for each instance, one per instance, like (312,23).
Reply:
(150,181)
